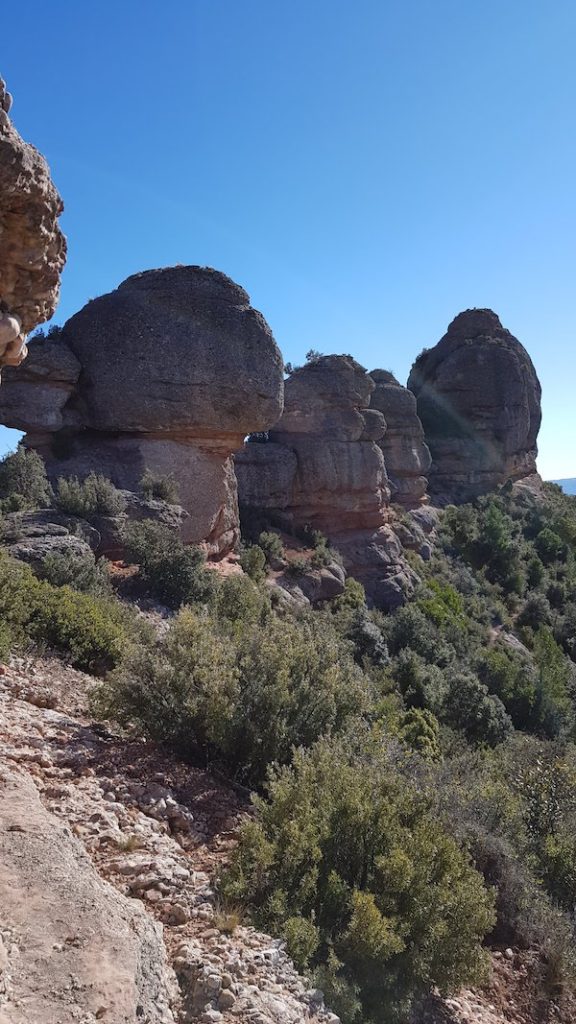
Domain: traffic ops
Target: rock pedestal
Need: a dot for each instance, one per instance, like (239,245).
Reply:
(478,399)
(168,373)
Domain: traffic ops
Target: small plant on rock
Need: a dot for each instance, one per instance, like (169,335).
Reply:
(162,488)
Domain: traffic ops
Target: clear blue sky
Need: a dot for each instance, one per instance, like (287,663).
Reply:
(365,168)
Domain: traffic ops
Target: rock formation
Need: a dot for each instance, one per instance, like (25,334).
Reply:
(67,923)
(406,455)
(479,402)
(167,373)
(335,481)
(32,246)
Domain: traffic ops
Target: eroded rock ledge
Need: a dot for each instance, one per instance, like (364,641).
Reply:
(32,246)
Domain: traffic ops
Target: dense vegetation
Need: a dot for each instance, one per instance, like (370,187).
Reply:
(415,772)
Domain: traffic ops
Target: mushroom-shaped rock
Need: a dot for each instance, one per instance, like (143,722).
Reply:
(478,398)
(168,373)
(405,452)
(32,246)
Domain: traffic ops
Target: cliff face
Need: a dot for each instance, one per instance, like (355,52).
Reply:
(406,455)
(32,246)
(168,373)
(479,402)
(323,468)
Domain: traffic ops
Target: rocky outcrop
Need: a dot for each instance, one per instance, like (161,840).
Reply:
(78,949)
(336,481)
(406,454)
(109,851)
(479,402)
(167,373)
(341,481)
(32,536)
(32,246)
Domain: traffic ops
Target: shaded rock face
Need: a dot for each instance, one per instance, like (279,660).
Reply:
(167,373)
(478,399)
(406,454)
(32,246)
(335,479)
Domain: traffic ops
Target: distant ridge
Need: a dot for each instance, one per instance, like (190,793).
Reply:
(568,485)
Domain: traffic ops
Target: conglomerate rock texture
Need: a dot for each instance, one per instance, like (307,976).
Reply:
(32,246)
(167,373)
(406,454)
(324,469)
(479,402)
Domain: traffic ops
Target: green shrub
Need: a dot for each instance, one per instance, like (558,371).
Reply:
(510,677)
(163,488)
(469,707)
(253,562)
(80,625)
(422,685)
(240,697)
(347,861)
(80,571)
(237,601)
(175,574)
(271,545)
(5,642)
(23,482)
(298,567)
(353,597)
(96,495)
(418,729)
(92,631)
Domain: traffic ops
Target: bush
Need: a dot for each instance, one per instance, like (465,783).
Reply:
(346,860)
(82,572)
(419,730)
(240,697)
(298,567)
(175,574)
(93,631)
(96,495)
(163,488)
(253,562)
(469,707)
(23,482)
(511,677)
(271,545)
(85,627)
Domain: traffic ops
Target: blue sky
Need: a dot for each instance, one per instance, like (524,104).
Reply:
(365,169)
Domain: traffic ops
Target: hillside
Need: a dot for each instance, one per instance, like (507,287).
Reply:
(287,664)
(568,485)
(436,733)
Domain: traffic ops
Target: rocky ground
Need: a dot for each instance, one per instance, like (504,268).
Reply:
(108,854)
